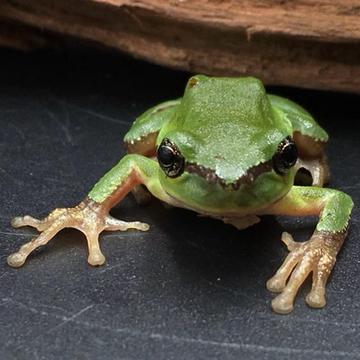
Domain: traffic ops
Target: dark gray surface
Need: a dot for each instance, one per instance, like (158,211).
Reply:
(190,288)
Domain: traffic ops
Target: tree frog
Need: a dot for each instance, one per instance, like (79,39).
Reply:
(227,150)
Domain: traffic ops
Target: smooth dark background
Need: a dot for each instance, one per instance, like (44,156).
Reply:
(191,287)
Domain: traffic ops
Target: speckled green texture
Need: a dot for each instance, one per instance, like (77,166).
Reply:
(152,120)
(300,119)
(197,194)
(336,205)
(336,214)
(226,125)
(146,169)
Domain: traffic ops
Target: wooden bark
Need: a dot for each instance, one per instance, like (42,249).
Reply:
(304,43)
(20,36)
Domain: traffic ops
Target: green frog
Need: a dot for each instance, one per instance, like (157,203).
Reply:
(226,150)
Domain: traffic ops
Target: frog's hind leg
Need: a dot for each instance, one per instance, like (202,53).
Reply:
(312,158)
(318,169)
(317,256)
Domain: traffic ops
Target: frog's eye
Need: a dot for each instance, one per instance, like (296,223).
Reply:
(286,156)
(170,159)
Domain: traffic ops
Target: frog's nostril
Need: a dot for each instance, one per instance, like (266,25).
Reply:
(193,82)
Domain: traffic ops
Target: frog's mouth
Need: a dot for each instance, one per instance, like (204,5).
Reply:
(247,179)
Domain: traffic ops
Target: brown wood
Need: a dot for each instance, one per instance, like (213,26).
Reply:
(304,43)
(20,36)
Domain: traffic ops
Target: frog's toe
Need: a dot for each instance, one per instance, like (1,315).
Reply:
(288,240)
(16,260)
(113,224)
(96,259)
(20,221)
(88,217)
(278,282)
(282,304)
(17,222)
(318,255)
(40,225)
(316,299)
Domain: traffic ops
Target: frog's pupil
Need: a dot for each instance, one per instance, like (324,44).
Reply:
(286,156)
(289,154)
(170,159)
(166,155)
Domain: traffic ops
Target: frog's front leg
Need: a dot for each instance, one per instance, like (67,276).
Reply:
(91,216)
(318,254)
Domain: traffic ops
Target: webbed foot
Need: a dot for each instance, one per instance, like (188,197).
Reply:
(317,255)
(89,217)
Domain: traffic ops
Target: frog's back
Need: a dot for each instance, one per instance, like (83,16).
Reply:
(234,121)
(217,100)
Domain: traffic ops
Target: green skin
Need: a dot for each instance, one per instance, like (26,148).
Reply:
(229,128)
(243,130)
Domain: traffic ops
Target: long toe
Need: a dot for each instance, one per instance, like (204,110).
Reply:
(276,284)
(16,260)
(96,259)
(316,299)
(283,304)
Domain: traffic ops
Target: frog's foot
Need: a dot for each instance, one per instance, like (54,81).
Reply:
(88,217)
(317,255)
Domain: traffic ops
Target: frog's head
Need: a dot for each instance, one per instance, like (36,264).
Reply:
(227,134)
